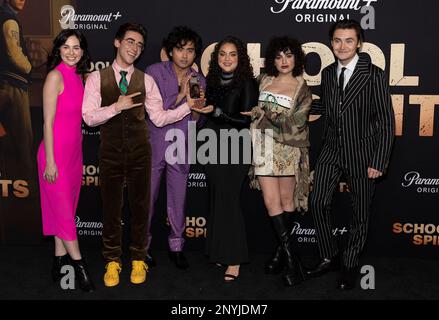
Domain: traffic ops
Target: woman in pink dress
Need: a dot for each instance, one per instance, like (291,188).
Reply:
(60,152)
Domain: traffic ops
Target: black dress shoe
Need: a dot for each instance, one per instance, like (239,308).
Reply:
(324,266)
(179,259)
(149,260)
(348,279)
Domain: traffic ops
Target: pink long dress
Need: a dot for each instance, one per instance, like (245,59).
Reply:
(59,200)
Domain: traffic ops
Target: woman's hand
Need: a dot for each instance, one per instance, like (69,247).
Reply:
(51,172)
(204,110)
(255,113)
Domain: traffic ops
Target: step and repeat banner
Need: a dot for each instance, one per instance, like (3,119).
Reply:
(400,40)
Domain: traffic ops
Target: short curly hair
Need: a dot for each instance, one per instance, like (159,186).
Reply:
(244,70)
(180,36)
(284,44)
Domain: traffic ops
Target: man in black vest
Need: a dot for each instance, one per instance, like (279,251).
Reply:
(16,141)
(116,98)
(358,138)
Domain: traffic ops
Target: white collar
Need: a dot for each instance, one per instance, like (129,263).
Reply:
(351,65)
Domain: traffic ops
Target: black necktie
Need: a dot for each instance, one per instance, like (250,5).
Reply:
(341,81)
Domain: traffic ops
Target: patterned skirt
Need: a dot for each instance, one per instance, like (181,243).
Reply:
(272,158)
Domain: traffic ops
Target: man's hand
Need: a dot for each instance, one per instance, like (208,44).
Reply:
(126,102)
(184,88)
(373,173)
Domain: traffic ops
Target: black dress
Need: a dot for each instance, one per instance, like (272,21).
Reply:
(226,234)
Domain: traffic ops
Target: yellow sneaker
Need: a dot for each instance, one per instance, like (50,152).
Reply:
(138,274)
(111,277)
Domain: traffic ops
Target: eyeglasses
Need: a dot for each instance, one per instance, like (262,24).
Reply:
(131,42)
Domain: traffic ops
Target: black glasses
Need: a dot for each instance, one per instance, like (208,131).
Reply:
(131,42)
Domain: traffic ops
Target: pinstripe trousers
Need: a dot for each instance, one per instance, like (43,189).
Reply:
(326,178)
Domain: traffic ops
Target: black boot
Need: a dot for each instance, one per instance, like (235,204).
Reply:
(82,276)
(294,273)
(58,263)
(276,263)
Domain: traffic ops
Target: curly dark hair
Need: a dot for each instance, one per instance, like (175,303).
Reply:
(284,44)
(179,37)
(244,70)
(54,57)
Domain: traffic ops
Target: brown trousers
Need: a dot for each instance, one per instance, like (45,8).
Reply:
(133,166)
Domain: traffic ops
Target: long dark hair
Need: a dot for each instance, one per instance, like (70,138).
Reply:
(54,57)
(244,70)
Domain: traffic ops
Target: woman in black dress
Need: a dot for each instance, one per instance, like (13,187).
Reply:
(231,89)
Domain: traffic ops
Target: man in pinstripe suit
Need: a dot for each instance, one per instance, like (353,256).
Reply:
(358,138)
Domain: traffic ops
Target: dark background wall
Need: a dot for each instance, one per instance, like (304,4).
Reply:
(401,200)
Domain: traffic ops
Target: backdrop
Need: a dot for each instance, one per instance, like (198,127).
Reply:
(400,40)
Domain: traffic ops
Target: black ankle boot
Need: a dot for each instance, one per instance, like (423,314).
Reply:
(58,263)
(294,273)
(82,276)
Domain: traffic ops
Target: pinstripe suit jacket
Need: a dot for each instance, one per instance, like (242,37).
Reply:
(359,128)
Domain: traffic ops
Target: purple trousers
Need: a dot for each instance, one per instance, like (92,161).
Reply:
(176,176)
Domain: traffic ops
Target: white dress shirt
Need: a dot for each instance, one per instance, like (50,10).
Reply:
(349,70)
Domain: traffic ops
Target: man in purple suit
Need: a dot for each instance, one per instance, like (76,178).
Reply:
(182,45)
